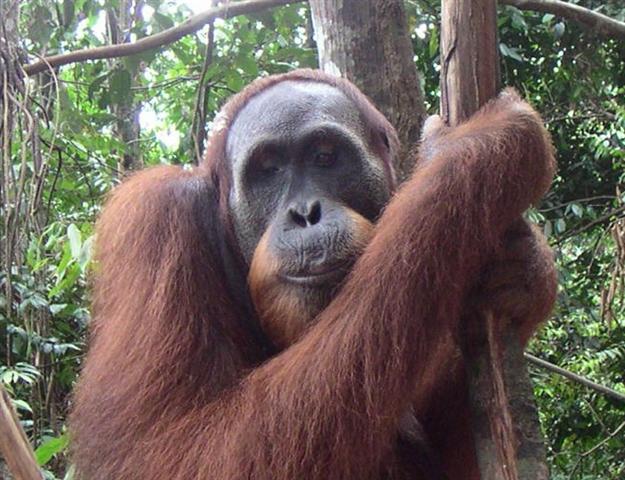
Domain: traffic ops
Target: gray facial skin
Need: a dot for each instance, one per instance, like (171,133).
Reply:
(301,160)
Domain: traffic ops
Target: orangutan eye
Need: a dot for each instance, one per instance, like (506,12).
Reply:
(269,163)
(325,156)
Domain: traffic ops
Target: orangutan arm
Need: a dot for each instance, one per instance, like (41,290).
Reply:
(329,406)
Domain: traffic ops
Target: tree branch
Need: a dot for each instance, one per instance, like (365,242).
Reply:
(594,21)
(14,445)
(576,378)
(198,125)
(610,436)
(589,225)
(191,25)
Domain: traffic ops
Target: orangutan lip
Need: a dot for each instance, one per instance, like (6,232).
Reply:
(316,279)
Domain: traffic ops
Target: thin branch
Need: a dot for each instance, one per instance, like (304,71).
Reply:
(594,21)
(596,447)
(577,200)
(576,378)
(588,226)
(198,126)
(171,35)
(604,429)
(54,182)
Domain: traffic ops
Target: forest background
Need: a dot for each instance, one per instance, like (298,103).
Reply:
(78,129)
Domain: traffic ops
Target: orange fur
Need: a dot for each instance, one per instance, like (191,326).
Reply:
(175,385)
(285,310)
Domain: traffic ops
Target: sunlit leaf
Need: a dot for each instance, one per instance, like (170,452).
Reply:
(48,449)
(75,242)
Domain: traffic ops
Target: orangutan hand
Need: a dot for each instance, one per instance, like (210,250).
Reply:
(520,283)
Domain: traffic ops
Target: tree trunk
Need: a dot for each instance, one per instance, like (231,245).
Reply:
(12,86)
(120,20)
(14,446)
(506,430)
(469,57)
(367,42)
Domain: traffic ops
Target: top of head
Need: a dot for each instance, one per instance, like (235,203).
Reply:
(318,85)
(288,110)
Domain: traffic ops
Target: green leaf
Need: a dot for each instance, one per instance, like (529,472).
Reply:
(433,45)
(84,257)
(57,308)
(511,52)
(22,405)
(163,21)
(547,229)
(50,448)
(234,80)
(518,21)
(577,210)
(36,300)
(66,259)
(248,64)
(72,274)
(558,29)
(9,377)
(96,85)
(185,57)
(33,253)
(75,242)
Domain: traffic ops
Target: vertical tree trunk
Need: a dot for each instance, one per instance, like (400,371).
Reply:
(469,57)
(14,446)
(367,42)
(127,128)
(11,85)
(507,433)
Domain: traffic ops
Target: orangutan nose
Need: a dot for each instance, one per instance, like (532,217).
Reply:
(305,214)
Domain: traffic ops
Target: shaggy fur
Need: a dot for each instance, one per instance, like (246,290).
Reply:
(180,383)
(285,311)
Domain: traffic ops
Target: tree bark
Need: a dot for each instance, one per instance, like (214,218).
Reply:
(12,86)
(506,430)
(14,445)
(127,127)
(367,42)
(469,58)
